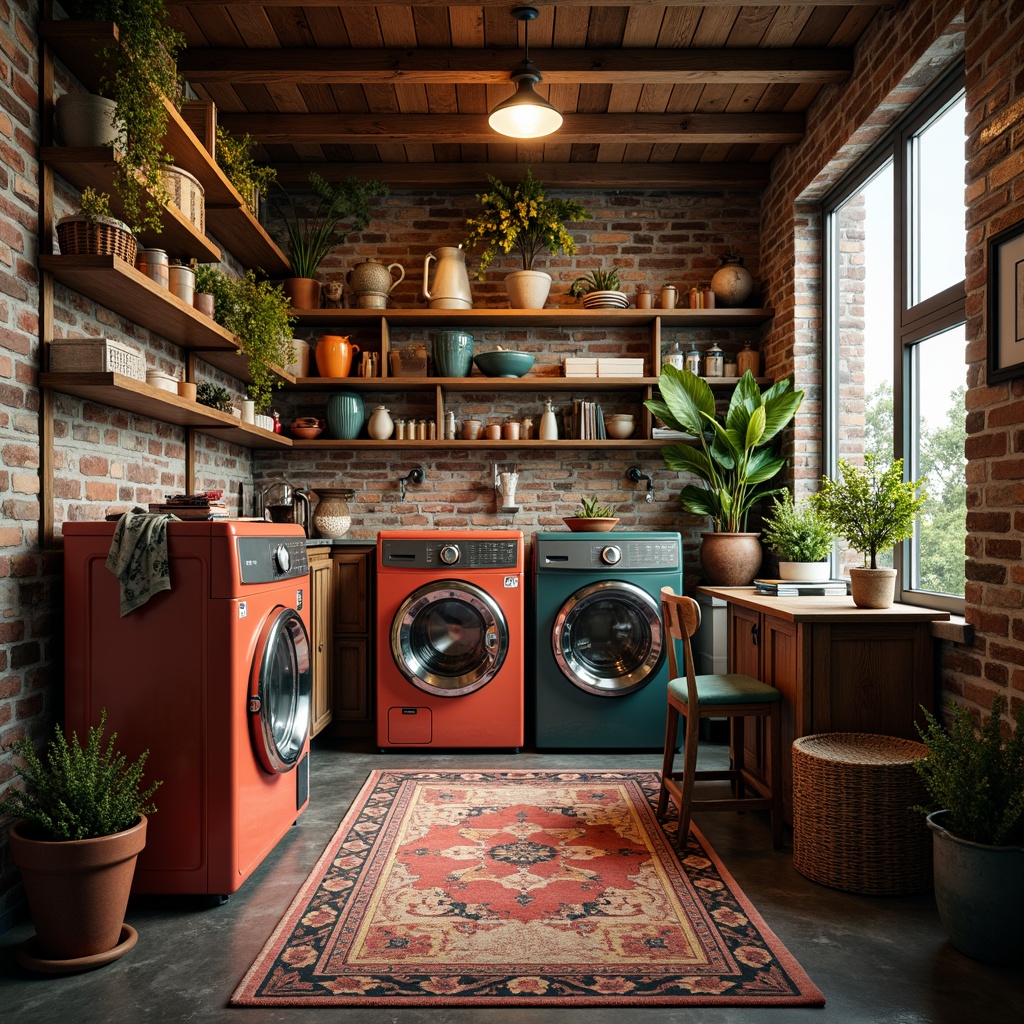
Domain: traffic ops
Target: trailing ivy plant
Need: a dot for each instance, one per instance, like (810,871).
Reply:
(77,792)
(235,159)
(137,73)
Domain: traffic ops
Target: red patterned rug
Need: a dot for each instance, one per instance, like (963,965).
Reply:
(519,888)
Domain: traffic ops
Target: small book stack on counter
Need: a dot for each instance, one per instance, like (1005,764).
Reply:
(191,507)
(794,588)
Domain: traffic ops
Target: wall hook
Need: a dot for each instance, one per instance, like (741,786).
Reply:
(414,476)
(635,475)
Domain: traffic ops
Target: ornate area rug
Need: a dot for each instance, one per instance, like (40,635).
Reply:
(519,888)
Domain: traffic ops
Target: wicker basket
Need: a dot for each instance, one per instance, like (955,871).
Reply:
(187,194)
(90,355)
(103,236)
(853,824)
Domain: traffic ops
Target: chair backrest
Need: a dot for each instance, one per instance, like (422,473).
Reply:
(682,617)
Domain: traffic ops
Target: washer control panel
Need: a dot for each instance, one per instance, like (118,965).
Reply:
(268,559)
(440,553)
(619,552)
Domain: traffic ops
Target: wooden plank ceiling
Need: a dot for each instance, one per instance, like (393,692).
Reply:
(653,94)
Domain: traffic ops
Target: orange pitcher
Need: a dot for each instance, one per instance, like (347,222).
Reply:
(334,355)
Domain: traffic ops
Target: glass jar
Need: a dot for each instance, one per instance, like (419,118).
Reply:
(693,360)
(332,518)
(714,362)
(674,355)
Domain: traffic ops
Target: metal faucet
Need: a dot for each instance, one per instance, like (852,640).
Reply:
(262,502)
(414,476)
(635,476)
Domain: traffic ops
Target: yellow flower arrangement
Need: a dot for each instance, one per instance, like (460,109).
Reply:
(523,220)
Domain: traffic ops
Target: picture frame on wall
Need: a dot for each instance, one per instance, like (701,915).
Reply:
(1006,304)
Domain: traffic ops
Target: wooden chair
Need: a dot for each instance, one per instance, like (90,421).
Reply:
(733,696)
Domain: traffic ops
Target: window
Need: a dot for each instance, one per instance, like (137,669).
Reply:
(895,243)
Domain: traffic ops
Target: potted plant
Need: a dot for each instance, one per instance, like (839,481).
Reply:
(93,231)
(311,236)
(137,74)
(873,509)
(599,290)
(800,539)
(592,517)
(213,396)
(976,785)
(733,461)
(258,314)
(250,179)
(525,221)
(80,824)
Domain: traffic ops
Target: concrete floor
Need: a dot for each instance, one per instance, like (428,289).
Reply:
(877,960)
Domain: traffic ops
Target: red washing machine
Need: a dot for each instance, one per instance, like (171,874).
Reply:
(213,678)
(450,632)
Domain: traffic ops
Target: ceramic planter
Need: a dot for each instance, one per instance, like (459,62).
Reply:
(730,559)
(527,289)
(85,120)
(873,588)
(302,292)
(805,572)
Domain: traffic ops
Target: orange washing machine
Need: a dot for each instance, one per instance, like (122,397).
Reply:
(450,638)
(213,678)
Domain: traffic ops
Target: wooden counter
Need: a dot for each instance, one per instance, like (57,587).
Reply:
(840,668)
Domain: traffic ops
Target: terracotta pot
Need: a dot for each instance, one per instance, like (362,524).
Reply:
(334,355)
(527,289)
(873,588)
(77,890)
(302,292)
(730,559)
(203,302)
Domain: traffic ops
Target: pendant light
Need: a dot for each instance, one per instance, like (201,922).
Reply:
(525,115)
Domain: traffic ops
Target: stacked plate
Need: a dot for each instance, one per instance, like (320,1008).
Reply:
(605,300)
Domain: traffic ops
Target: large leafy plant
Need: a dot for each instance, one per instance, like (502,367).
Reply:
(521,219)
(733,460)
(312,235)
(77,792)
(871,506)
(978,779)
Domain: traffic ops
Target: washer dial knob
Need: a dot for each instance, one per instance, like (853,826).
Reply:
(611,555)
(282,559)
(450,554)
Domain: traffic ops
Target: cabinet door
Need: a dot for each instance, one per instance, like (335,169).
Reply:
(320,619)
(782,667)
(745,628)
(351,682)
(352,593)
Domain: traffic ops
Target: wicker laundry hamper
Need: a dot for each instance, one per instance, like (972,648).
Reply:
(853,823)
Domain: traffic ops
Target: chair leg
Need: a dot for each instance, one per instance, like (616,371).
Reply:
(686,789)
(738,756)
(671,730)
(775,755)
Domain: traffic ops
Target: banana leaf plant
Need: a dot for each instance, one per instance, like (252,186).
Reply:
(734,460)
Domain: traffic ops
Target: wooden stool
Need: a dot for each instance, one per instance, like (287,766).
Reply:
(732,696)
(854,827)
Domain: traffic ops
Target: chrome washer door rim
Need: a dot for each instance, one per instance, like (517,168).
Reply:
(491,621)
(569,616)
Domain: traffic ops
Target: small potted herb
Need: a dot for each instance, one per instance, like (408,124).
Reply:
(599,290)
(213,396)
(94,231)
(592,517)
(800,538)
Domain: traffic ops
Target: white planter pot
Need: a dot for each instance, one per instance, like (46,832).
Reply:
(527,289)
(86,120)
(805,572)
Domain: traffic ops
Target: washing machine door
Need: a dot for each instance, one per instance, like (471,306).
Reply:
(449,638)
(280,691)
(607,638)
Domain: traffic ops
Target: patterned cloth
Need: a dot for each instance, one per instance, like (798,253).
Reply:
(138,557)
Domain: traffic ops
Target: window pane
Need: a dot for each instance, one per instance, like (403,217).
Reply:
(938,434)
(938,204)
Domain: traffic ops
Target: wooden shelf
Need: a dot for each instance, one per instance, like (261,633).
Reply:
(461,384)
(78,44)
(121,392)
(568,317)
(569,444)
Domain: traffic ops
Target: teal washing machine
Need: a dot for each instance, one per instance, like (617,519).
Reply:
(601,668)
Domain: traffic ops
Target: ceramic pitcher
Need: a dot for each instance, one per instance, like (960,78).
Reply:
(451,279)
(371,282)
(334,355)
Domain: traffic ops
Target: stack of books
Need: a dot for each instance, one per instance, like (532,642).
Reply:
(588,421)
(193,507)
(620,367)
(668,433)
(795,588)
(578,366)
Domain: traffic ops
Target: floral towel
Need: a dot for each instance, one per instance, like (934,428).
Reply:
(138,557)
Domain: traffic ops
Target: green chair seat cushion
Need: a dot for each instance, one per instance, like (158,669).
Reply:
(732,688)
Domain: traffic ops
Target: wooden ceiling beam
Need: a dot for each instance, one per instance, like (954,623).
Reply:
(533,3)
(641,66)
(473,176)
(359,129)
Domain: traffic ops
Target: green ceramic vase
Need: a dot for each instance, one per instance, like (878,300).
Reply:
(344,415)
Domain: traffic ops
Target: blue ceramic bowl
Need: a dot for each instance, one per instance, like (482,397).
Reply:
(504,364)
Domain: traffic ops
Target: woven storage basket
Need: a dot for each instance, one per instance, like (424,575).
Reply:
(102,237)
(104,355)
(853,823)
(188,195)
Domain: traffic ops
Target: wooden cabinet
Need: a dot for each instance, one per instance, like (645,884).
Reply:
(352,639)
(321,611)
(840,668)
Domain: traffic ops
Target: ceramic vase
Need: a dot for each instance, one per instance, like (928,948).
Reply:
(344,415)
(332,518)
(381,426)
(527,289)
(732,282)
(453,353)
(334,355)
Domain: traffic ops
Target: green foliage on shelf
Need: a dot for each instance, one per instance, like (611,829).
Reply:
(213,396)
(978,778)
(215,282)
(797,533)
(872,507)
(595,281)
(94,205)
(521,219)
(76,792)
(312,236)
(733,460)
(235,159)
